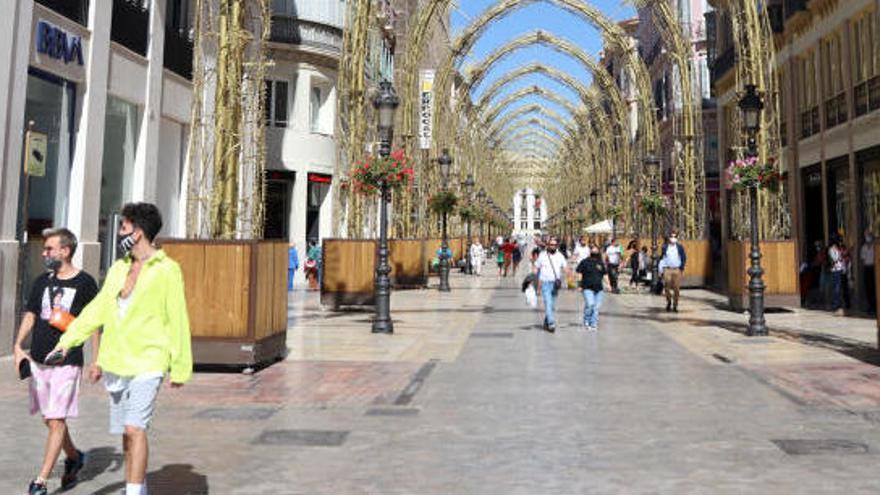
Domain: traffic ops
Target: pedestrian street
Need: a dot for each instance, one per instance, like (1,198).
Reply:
(470,395)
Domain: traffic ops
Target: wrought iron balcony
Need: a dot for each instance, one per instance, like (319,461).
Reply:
(306,33)
(130,25)
(75,10)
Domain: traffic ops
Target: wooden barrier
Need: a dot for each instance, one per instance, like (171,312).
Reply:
(349,267)
(236,297)
(409,263)
(779,260)
(698,269)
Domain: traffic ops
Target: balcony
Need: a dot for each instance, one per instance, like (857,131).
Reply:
(130,25)
(723,64)
(75,10)
(293,31)
(835,111)
(867,96)
(178,54)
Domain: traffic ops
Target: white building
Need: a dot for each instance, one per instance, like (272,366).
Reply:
(529,213)
(108,88)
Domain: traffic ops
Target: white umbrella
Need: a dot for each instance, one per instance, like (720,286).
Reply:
(603,227)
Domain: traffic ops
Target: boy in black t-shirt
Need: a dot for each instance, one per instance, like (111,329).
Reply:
(56,297)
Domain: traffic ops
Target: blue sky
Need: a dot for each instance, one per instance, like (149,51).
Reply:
(543,16)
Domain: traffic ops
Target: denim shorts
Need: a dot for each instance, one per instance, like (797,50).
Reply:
(132,403)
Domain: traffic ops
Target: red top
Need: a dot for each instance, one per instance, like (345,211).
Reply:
(508,249)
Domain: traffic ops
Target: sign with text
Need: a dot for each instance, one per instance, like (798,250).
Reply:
(426,108)
(58,45)
(35,146)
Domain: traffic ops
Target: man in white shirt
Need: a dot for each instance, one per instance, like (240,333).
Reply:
(613,255)
(671,267)
(477,253)
(581,250)
(551,268)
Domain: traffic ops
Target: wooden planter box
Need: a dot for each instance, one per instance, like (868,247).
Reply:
(349,267)
(409,263)
(236,296)
(698,269)
(779,260)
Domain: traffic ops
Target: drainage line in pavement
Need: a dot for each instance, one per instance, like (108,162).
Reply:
(412,388)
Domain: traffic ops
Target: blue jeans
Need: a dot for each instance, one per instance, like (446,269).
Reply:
(592,302)
(549,303)
(836,290)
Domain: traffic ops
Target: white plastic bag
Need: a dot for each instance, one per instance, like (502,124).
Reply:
(531,297)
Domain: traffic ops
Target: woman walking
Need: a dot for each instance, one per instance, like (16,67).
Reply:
(592,272)
(632,253)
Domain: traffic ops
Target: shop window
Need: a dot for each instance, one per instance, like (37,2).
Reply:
(276,109)
(871,197)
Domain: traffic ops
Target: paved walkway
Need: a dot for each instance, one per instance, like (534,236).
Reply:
(470,396)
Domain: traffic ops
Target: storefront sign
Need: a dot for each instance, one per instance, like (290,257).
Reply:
(35,154)
(58,44)
(320,178)
(426,108)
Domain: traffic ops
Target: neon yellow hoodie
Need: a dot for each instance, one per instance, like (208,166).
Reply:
(154,334)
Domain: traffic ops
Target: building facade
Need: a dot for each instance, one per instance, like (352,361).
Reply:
(100,100)
(529,213)
(828,68)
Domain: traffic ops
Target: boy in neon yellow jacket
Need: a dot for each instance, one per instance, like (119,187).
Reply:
(142,309)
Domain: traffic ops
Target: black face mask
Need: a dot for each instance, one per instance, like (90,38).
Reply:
(125,243)
(52,264)
(594,254)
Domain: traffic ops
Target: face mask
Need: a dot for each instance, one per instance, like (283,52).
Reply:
(551,249)
(52,264)
(594,254)
(673,240)
(125,243)
(869,238)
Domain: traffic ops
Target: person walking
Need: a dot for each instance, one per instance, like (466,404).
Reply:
(292,264)
(613,256)
(581,251)
(866,254)
(506,251)
(632,257)
(551,268)
(477,255)
(146,334)
(516,256)
(671,267)
(56,296)
(312,265)
(592,271)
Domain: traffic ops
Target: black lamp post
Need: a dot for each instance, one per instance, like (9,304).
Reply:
(652,166)
(751,105)
(613,186)
(469,190)
(445,162)
(481,198)
(385,103)
(593,195)
(580,219)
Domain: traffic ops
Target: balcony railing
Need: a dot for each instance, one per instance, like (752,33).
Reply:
(130,25)
(178,53)
(867,96)
(835,111)
(723,63)
(307,33)
(75,10)
(810,122)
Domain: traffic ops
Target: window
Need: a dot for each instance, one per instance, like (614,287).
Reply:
(865,42)
(808,97)
(276,103)
(315,109)
(832,76)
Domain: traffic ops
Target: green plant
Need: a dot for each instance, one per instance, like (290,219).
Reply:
(442,202)
(469,212)
(370,173)
(614,211)
(654,203)
(745,173)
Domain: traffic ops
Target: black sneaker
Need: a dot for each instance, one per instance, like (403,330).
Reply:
(668,306)
(37,488)
(72,469)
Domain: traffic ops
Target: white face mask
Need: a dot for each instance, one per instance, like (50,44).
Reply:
(673,240)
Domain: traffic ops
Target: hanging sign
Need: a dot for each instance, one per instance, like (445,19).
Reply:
(35,154)
(426,108)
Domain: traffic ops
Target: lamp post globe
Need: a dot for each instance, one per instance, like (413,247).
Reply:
(385,103)
(445,161)
(751,104)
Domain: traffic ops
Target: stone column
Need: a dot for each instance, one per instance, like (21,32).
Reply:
(147,157)
(530,210)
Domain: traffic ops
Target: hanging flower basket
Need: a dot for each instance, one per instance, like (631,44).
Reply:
(748,172)
(469,213)
(442,202)
(655,203)
(369,174)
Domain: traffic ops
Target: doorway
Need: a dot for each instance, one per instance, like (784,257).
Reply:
(276,218)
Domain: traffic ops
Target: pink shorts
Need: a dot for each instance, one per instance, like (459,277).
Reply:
(55,390)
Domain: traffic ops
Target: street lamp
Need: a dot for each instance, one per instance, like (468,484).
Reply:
(652,166)
(593,195)
(481,198)
(385,103)
(445,162)
(751,105)
(580,208)
(469,190)
(613,186)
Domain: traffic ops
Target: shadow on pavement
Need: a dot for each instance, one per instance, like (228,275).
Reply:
(171,479)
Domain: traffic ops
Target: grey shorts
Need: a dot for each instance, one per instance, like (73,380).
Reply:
(134,404)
